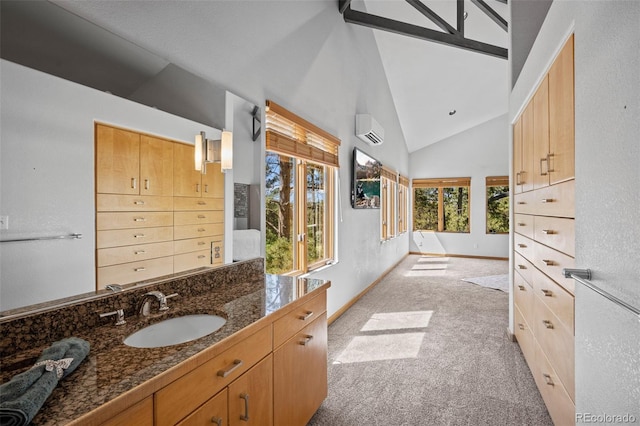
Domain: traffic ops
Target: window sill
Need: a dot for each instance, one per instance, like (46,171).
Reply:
(322,268)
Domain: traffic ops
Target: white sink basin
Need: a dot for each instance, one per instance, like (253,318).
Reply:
(174,331)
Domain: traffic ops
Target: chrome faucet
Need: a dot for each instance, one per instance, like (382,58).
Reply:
(145,303)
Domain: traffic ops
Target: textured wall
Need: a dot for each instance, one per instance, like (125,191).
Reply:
(607,59)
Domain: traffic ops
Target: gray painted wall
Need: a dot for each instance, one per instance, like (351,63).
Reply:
(607,60)
(478,152)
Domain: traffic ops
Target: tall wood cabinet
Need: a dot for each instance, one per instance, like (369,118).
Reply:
(155,215)
(544,238)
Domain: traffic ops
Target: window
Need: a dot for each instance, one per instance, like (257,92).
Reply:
(388,181)
(403,204)
(497,204)
(441,205)
(301,164)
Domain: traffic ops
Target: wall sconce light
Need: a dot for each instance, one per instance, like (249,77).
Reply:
(214,151)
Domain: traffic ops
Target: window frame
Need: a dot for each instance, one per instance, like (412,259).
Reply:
(495,181)
(388,204)
(403,204)
(440,184)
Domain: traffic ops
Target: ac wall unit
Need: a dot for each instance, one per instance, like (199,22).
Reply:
(369,130)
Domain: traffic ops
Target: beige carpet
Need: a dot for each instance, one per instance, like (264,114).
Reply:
(424,347)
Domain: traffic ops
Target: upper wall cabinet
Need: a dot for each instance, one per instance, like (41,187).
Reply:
(523,151)
(189,182)
(134,164)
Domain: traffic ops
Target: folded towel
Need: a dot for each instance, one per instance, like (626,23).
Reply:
(25,393)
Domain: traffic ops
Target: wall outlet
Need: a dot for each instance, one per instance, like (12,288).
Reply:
(475,246)
(4,222)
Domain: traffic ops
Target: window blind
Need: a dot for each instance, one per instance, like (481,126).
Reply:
(441,182)
(389,173)
(289,134)
(402,180)
(497,180)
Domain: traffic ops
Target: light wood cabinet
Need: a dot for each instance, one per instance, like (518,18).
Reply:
(140,414)
(544,239)
(523,151)
(214,412)
(251,396)
(189,182)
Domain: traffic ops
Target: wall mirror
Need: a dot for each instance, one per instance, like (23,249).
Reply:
(47,149)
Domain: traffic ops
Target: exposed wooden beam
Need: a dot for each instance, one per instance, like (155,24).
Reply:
(434,17)
(386,24)
(491,13)
(343,5)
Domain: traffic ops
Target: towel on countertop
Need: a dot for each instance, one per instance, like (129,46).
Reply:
(22,397)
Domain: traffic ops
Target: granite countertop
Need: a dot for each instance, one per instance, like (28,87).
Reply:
(112,368)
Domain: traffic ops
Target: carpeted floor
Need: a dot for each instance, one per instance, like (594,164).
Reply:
(424,347)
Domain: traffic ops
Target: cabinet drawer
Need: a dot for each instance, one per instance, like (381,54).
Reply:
(523,224)
(176,400)
(557,342)
(557,299)
(195,203)
(194,231)
(125,220)
(116,255)
(524,336)
(523,267)
(285,327)
(561,407)
(198,217)
(128,237)
(140,414)
(192,244)
(132,203)
(556,200)
(556,232)
(213,412)
(523,296)
(196,259)
(523,203)
(523,245)
(127,273)
(551,262)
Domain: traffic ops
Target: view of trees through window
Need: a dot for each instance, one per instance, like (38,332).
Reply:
(441,208)
(497,209)
(315,212)
(280,200)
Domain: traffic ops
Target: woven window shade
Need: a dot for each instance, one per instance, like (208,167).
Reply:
(497,180)
(402,180)
(389,173)
(441,182)
(289,134)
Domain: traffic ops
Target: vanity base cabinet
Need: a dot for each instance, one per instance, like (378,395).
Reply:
(213,412)
(140,414)
(300,374)
(251,396)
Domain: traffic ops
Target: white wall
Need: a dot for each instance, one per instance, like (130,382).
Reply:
(47,178)
(607,99)
(478,152)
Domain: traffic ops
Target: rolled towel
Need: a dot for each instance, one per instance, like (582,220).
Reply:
(22,397)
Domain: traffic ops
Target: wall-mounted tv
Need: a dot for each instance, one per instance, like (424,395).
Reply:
(365,186)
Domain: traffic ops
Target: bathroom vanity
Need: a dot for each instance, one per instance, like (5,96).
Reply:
(267,365)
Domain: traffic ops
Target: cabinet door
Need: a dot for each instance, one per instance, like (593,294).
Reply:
(561,115)
(300,375)
(251,396)
(187,180)
(140,414)
(541,135)
(156,166)
(117,161)
(526,176)
(517,155)
(211,413)
(213,182)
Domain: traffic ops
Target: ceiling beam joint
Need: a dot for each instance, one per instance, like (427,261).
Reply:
(434,17)
(343,5)
(495,17)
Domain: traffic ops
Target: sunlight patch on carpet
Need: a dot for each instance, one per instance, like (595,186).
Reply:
(381,347)
(398,320)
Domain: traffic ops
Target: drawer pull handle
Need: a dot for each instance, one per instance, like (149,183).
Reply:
(134,183)
(548,200)
(197,187)
(306,316)
(138,236)
(547,293)
(202,203)
(140,269)
(139,219)
(548,380)
(521,203)
(202,256)
(548,262)
(522,245)
(306,340)
(139,202)
(548,231)
(521,287)
(522,224)
(201,243)
(140,252)
(146,184)
(522,267)
(543,160)
(548,324)
(245,396)
(206,188)
(201,216)
(201,229)
(217,421)
(521,326)
(224,373)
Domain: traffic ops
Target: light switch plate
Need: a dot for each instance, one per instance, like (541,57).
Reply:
(4,222)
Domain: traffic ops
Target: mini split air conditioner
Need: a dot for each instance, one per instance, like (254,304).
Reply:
(369,130)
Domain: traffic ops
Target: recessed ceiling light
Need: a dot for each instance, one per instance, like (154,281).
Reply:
(453,111)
